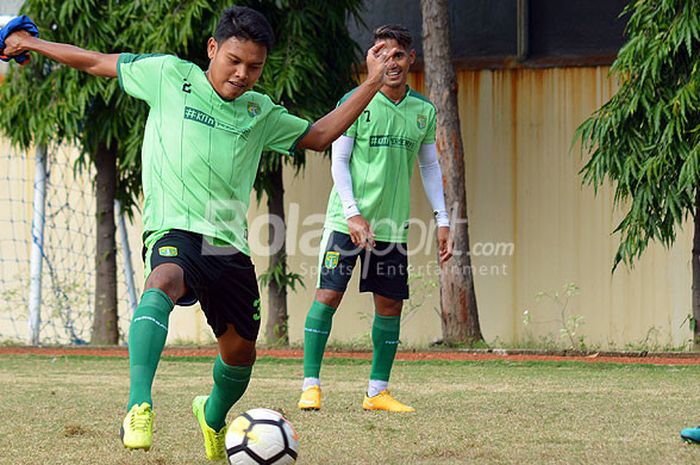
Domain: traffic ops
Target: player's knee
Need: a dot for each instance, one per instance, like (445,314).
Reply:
(243,355)
(388,307)
(393,311)
(329,297)
(235,350)
(170,279)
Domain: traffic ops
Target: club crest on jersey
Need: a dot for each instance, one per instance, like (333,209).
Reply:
(332,260)
(421,121)
(253,109)
(167,251)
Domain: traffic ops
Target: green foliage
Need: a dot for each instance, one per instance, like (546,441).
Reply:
(44,102)
(646,139)
(568,323)
(423,286)
(310,67)
(281,277)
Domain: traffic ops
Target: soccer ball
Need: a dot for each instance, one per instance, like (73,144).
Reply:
(261,437)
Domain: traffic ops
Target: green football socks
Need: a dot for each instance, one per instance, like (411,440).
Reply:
(230,382)
(147,335)
(316,331)
(385,339)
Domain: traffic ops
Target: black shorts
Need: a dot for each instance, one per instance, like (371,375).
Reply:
(384,268)
(222,279)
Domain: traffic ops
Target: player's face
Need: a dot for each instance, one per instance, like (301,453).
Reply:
(235,66)
(400,63)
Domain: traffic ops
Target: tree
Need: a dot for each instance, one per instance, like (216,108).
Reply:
(646,139)
(66,106)
(460,318)
(307,84)
(47,103)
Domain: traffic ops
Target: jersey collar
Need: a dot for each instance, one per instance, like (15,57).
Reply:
(396,104)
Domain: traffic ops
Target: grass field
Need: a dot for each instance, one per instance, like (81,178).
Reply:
(67,410)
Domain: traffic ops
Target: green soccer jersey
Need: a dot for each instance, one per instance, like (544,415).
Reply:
(201,153)
(388,137)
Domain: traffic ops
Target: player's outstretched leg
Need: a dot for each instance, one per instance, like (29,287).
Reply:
(147,335)
(316,332)
(230,382)
(385,340)
(691,435)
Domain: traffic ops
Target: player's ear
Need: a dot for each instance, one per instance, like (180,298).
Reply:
(212,46)
(412,56)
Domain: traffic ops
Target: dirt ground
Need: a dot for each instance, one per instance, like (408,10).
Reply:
(515,356)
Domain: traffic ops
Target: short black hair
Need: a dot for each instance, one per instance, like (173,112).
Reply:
(247,24)
(394,31)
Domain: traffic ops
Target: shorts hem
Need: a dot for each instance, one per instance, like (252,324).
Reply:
(388,295)
(331,288)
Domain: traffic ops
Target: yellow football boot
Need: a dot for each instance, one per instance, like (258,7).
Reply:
(214,442)
(310,398)
(137,428)
(384,401)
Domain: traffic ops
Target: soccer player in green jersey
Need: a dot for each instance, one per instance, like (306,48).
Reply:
(204,136)
(368,216)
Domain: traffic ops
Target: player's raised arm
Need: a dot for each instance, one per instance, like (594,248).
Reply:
(327,129)
(95,63)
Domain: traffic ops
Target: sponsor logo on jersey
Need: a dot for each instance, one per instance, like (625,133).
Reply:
(167,251)
(421,121)
(392,141)
(332,260)
(199,116)
(253,109)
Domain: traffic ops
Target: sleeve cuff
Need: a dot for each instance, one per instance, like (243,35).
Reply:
(120,60)
(441,219)
(351,211)
(296,142)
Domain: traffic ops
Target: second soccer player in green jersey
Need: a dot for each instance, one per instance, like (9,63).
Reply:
(368,217)
(204,136)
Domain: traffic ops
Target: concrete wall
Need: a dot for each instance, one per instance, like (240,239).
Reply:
(523,189)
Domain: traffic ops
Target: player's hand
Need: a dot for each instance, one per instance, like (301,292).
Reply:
(361,232)
(444,244)
(378,58)
(15,43)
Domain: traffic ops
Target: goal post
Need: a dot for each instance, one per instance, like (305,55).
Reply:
(36,258)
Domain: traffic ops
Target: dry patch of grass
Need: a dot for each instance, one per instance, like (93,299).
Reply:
(70,430)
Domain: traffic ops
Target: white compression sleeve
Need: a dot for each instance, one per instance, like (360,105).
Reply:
(341,152)
(432,182)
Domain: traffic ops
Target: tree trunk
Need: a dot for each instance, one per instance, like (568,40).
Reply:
(696,273)
(460,320)
(105,330)
(276,328)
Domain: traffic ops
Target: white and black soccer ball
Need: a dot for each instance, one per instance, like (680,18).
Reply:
(261,437)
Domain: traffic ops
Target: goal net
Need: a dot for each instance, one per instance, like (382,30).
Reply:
(50,300)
